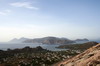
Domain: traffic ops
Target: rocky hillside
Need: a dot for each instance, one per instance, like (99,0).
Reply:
(90,57)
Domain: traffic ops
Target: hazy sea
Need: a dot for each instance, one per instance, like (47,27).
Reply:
(5,46)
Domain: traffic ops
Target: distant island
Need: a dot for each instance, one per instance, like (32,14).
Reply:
(49,40)
(15,40)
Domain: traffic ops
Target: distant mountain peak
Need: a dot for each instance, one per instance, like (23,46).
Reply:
(20,40)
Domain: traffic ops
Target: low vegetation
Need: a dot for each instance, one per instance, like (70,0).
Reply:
(79,47)
(38,56)
(33,56)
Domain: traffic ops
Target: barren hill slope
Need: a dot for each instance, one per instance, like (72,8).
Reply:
(90,57)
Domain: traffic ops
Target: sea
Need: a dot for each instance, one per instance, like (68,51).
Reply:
(52,47)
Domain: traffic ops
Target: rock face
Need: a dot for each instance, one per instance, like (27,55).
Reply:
(50,40)
(90,57)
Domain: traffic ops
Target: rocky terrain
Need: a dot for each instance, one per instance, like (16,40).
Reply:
(28,56)
(90,57)
(38,56)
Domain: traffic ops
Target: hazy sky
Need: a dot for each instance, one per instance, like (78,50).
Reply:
(38,18)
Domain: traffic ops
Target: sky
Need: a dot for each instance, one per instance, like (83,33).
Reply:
(40,18)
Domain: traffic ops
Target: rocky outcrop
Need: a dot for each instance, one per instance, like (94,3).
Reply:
(90,57)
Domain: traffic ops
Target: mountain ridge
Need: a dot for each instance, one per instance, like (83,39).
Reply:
(48,40)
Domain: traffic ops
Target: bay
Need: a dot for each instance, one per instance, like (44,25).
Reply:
(5,46)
